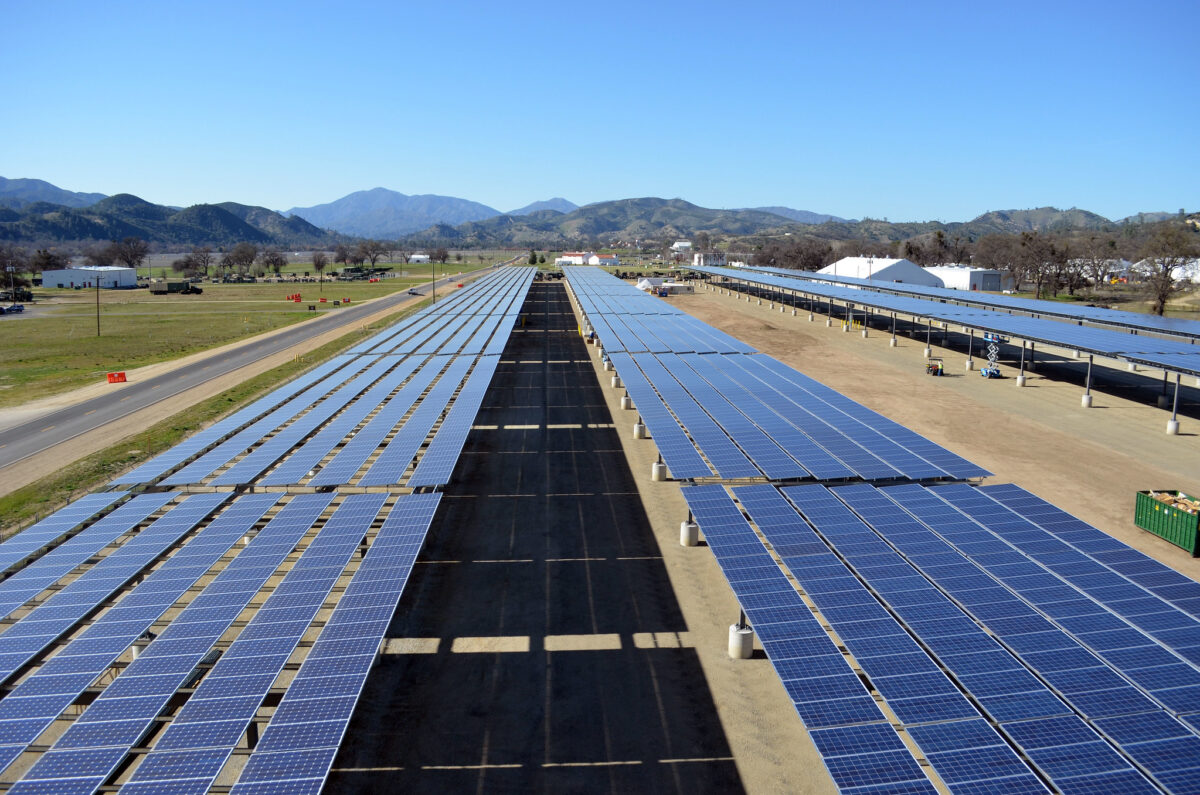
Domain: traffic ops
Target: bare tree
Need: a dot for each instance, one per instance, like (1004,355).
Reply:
(371,251)
(1170,248)
(100,255)
(195,263)
(47,260)
(439,255)
(240,258)
(319,262)
(132,251)
(13,257)
(272,258)
(341,253)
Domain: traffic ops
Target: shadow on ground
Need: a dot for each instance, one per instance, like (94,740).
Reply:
(540,546)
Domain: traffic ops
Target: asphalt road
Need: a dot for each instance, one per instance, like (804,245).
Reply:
(539,580)
(41,433)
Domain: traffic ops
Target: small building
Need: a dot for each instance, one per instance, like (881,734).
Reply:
(573,258)
(708,259)
(108,277)
(882,269)
(682,246)
(418,259)
(966,277)
(604,260)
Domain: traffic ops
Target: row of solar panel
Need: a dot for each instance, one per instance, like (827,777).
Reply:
(751,416)
(1035,307)
(352,390)
(192,750)
(1169,354)
(1067,668)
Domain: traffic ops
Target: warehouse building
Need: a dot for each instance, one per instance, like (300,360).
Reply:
(109,277)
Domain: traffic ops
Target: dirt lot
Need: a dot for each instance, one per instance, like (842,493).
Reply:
(1087,461)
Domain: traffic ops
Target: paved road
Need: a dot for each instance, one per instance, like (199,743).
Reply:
(28,439)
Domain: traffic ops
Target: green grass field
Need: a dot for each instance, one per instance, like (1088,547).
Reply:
(53,348)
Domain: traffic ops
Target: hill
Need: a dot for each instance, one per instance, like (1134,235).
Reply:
(557,204)
(125,215)
(624,221)
(384,213)
(18,193)
(800,216)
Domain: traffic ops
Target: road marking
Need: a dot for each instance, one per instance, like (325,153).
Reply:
(593,764)
(126,398)
(48,427)
(459,767)
(93,411)
(411,645)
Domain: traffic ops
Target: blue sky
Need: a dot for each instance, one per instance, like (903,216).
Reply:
(905,111)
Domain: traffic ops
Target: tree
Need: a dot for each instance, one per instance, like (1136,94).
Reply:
(319,261)
(240,258)
(196,263)
(439,255)
(341,253)
(132,251)
(1098,252)
(272,258)
(101,256)
(372,251)
(1170,248)
(14,257)
(541,259)
(702,241)
(532,257)
(46,260)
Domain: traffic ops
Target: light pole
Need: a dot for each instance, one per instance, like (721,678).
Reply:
(12,287)
(433,263)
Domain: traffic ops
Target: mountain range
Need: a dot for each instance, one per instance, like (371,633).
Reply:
(35,211)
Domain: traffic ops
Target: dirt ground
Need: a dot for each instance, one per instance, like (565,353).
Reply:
(1089,462)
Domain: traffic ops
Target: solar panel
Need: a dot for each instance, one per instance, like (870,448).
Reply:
(438,462)
(66,607)
(293,759)
(40,574)
(27,711)
(58,524)
(211,724)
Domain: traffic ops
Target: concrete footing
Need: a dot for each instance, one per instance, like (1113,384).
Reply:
(864,334)
(1020,380)
(1173,427)
(689,534)
(658,471)
(928,352)
(1131,367)
(970,364)
(892,342)
(828,322)
(741,642)
(607,366)
(616,382)
(639,431)
(1085,401)
(846,327)
(626,403)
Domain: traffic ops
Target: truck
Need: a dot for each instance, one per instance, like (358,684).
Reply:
(167,286)
(16,295)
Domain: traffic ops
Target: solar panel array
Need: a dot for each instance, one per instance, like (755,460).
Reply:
(1169,354)
(720,409)
(993,670)
(1009,303)
(390,389)
(141,602)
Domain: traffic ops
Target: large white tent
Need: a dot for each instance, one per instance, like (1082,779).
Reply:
(882,269)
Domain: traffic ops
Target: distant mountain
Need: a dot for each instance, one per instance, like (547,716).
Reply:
(1147,218)
(383,213)
(625,220)
(125,215)
(18,193)
(1042,219)
(559,204)
(800,216)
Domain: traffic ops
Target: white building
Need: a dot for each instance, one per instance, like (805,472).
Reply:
(882,269)
(109,277)
(965,277)
(604,260)
(573,258)
(682,246)
(709,259)
(418,259)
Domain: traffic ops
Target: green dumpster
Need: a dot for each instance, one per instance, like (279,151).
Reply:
(1172,515)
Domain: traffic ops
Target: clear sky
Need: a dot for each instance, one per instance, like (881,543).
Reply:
(898,110)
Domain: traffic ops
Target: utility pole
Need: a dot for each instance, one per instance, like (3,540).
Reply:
(97,278)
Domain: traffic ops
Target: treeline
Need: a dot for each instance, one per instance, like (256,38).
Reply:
(1051,262)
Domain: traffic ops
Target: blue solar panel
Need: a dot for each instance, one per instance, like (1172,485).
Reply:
(142,696)
(23,717)
(297,754)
